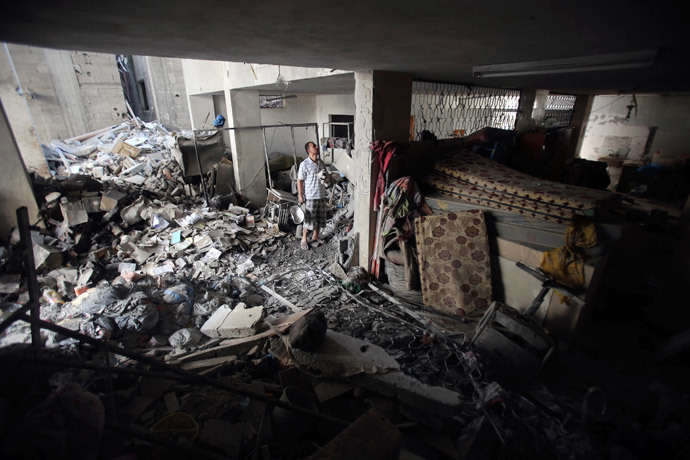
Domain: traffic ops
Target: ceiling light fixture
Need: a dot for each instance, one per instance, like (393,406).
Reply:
(631,60)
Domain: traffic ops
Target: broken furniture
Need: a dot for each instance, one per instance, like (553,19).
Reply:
(210,149)
(516,344)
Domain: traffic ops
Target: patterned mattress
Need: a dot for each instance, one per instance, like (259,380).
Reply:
(477,180)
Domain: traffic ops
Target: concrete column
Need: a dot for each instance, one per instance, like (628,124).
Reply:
(361,156)
(68,92)
(525,108)
(581,111)
(382,112)
(247,146)
(539,109)
(15,187)
(20,118)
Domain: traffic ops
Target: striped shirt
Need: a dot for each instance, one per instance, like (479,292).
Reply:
(308,172)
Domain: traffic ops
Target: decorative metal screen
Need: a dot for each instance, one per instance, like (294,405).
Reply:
(559,110)
(449,110)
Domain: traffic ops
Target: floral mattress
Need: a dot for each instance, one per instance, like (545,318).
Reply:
(475,179)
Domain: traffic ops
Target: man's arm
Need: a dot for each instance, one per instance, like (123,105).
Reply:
(300,190)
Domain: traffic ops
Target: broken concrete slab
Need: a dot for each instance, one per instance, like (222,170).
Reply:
(340,355)
(229,322)
(411,391)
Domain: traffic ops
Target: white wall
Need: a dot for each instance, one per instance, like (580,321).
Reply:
(166,85)
(296,110)
(202,110)
(243,75)
(608,133)
(203,76)
(20,119)
(307,108)
(335,104)
(210,76)
(15,186)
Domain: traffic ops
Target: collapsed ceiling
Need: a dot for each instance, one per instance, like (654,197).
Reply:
(442,40)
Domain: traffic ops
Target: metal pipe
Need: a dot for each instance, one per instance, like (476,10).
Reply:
(30,266)
(268,166)
(109,386)
(237,128)
(160,365)
(201,172)
(294,146)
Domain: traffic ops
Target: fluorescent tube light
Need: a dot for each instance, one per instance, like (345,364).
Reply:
(635,59)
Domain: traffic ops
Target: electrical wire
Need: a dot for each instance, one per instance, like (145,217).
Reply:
(607,105)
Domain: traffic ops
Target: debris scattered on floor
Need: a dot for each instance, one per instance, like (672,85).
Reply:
(202,328)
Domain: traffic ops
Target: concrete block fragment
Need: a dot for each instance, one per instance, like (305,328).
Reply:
(137,168)
(409,390)
(340,355)
(136,180)
(52,197)
(74,212)
(238,322)
(336,270)
(203,241)
(110,199)
(135,252)
(123,148)
(47,256)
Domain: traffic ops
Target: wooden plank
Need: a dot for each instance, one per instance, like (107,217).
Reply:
(209,362)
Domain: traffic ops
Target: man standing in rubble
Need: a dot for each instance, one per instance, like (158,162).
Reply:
(312,192)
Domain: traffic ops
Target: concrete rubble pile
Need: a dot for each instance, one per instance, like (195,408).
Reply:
(364,366)
(122,230)
(258,325)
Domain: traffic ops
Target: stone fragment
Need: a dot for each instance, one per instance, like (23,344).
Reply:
(110,199)
(229,323)
(47,256)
